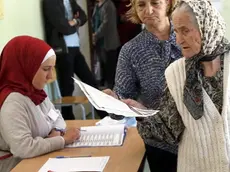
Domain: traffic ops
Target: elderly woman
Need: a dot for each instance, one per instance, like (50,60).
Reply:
(29,124)
(199,85)
(140,72)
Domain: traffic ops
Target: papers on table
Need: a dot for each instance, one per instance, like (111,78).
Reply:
(102,101)
(96,136)
(75,164)
(128,122)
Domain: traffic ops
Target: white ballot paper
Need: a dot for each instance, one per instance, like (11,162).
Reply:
(75,164)
(102,101)
(96,136)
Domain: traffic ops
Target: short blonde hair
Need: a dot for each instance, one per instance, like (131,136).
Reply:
(132,14)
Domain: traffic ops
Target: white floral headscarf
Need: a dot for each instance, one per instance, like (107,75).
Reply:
(212,30)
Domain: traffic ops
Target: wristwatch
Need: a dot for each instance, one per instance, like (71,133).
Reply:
(62,131)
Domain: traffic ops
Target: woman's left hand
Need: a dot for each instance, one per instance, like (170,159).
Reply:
(54,133)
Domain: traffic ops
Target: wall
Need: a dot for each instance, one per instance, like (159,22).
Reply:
(225,13)
(20,17)
(223,6)
(1,9)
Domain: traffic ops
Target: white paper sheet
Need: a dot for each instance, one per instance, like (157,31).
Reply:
(75,164)
(102,101)
(108,121)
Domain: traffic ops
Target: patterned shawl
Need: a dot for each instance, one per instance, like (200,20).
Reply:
(212,29)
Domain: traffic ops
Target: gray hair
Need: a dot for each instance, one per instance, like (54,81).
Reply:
(184,7)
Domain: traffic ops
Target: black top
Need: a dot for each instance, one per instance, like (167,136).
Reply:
(56,25)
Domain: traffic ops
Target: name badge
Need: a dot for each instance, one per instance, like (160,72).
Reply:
(53,115)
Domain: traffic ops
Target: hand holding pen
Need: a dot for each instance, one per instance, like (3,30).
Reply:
(71,135)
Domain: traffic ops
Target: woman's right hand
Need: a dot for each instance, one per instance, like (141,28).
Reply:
(110,93)
(71,135)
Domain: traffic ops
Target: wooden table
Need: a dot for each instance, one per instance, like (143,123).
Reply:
(126,158)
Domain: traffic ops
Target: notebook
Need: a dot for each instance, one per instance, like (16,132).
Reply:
(102,101)
(75,164)
(97,136)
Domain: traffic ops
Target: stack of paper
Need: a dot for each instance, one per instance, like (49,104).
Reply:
(102,101)
(75,164)
(129,122)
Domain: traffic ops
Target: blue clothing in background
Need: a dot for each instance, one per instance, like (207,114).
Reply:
(73,39)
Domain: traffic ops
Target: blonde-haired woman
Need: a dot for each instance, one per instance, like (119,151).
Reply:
(140,73)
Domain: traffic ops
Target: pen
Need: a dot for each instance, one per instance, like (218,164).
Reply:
(70,171)
(61,130)
(59,157)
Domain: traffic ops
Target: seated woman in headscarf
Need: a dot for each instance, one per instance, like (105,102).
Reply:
(29,124)
(199,85)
